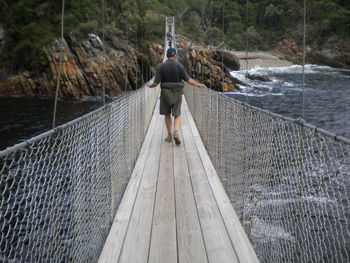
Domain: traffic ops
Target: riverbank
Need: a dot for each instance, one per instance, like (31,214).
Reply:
(262,59)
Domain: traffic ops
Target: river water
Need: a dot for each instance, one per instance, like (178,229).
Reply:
(22,118)
(327,94)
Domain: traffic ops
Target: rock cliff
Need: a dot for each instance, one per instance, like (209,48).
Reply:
(87,67)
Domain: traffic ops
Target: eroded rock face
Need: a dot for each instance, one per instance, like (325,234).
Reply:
(86,68)
(89,66)
(209,66)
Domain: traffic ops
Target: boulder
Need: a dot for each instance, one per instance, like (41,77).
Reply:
(230,60)
(263,78)
(209,66)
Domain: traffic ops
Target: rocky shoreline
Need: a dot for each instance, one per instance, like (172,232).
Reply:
(335,52)
(261,59)
(90,65)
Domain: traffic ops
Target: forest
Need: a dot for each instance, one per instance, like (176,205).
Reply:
(29,25)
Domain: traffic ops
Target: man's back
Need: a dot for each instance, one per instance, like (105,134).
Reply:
(171,71)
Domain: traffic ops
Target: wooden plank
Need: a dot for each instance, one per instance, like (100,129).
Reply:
(137,240)
(191,247)
(112,248)
(239,239)
(163,246)
(217,241)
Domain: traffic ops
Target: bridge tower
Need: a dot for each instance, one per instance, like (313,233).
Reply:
(169,29)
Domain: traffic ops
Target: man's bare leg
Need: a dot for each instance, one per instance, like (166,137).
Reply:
(176,135)
(168,127)
(177,123)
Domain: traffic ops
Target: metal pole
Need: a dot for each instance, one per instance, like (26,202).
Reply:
(223,40)
(103,43)
(246,42)
(303,68)
(59,67)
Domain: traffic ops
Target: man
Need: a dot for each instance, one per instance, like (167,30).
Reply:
(170,75)
(170,43)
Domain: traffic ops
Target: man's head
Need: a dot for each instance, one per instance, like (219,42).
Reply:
(171,52)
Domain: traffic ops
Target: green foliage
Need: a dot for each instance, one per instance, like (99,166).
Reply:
(192,27)
(83,29)
(213,36)
(32,24)
(154,26)
(29,51)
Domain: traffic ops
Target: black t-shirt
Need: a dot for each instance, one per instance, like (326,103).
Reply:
(171,71)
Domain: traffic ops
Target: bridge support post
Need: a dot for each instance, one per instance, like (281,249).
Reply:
(169,29)
(247,226)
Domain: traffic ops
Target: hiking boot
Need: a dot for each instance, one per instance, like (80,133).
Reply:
(176,137)
(169,138)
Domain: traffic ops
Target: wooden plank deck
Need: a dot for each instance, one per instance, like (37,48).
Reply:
(175,208)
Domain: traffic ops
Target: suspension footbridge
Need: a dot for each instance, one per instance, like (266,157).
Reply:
(175,208)
(246,185)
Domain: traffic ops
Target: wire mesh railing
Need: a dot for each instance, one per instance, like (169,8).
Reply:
(60,190)
(288,182)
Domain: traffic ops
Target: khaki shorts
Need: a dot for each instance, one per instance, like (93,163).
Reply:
(166,109)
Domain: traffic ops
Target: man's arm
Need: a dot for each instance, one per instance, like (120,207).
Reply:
(195,83)
(157,78)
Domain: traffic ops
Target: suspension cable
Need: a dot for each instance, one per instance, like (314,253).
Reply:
(103,47)
(126,64)
(59,67)
(223,40)
(303,67)
(246,42)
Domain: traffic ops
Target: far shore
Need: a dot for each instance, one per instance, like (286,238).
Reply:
(261,59)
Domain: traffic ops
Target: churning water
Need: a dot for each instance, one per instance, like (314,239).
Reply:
(299,237)
(327,94)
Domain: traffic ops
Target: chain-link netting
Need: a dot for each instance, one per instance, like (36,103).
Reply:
(288,182)
(60,191)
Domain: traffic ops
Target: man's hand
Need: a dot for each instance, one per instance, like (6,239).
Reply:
(152,85)
(195,83)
